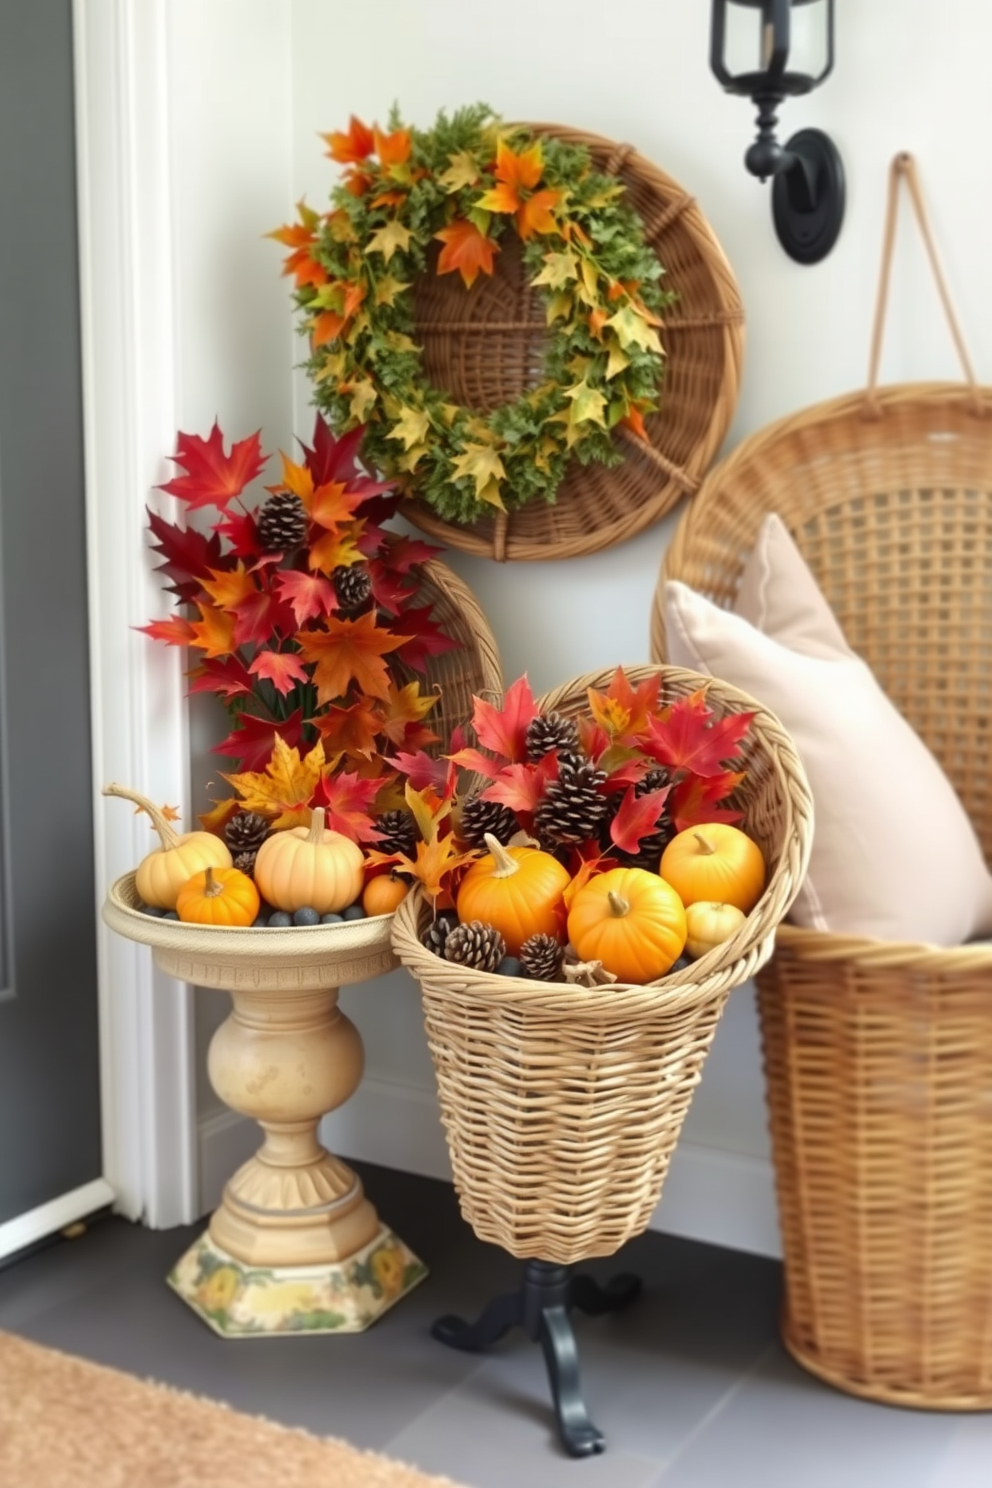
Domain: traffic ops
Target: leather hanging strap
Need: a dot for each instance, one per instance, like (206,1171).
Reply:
(903,167)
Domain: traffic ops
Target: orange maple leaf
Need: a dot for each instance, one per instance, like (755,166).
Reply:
(174,632)
(405,706)
(466,250)
(517,176)
(347,651)
(306,270)
(213,633)
(332,503)
(230,587)
(326,327)
(281,791)
(357,143)
(392,149)
(623,711)
(336,549)
(535,216)
(634,421)
(282,668)
(352,730)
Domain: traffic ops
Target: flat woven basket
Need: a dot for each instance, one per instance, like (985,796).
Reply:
(474,668)
(562,1104)
(878,1057)
(485,346)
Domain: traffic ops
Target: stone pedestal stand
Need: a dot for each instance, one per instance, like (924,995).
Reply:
(295,1245)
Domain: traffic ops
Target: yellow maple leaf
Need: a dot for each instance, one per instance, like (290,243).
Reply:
(490,494)
(559,306)
(588,404)
(482,464)
(388,239)
(363,396)
(336,549)
(334,366)
(404,706)
(388,288)
(463,170)
(616,361)
(396,341)
(280,791)
(558,269)
(412,458)
(411,427)
(632,329)
(298,480)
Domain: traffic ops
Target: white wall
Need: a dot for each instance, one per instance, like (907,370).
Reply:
(262,80)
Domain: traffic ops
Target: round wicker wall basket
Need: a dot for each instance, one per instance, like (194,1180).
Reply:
(878,1056)
(562,1104)
(485,347)
(474,668)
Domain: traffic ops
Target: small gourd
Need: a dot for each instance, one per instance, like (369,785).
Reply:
(161,874)
(310,867)
(218,896)
(383,894)
(715,862)
(630,920)
(709,925)
(517,890)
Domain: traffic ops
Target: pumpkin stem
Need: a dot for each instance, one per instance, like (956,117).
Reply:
(506,865)
(706,847)
(167,836)
(618,904)
(211,888)
(316,833)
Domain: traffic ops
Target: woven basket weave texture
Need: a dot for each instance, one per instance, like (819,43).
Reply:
(562,1104)
(485,347)
(878,1057)
(474,668)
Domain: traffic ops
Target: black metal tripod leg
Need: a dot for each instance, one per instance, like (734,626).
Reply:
(579,1436)
(588,1296)
(502,1314)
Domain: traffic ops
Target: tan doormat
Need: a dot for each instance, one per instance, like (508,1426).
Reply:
(65,1423)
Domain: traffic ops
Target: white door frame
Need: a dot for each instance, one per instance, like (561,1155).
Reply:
(139,716)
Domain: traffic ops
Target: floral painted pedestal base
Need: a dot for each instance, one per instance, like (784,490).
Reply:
(295,1246)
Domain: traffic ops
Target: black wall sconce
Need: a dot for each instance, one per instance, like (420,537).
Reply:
(807,172)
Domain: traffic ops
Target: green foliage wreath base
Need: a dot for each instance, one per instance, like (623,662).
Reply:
(598,280)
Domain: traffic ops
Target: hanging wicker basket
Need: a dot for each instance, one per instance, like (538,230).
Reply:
(878,1056)
(562,1104)
(485,347)
(474,667)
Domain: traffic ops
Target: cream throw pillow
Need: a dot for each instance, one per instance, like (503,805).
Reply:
(894,855)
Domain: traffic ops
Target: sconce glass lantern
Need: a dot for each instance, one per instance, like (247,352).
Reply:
(785,48)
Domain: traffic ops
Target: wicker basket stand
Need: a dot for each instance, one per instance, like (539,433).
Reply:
(486,346)
(878,1057)
(562,1104)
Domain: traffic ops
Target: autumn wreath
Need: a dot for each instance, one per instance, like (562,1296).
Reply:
(463,184)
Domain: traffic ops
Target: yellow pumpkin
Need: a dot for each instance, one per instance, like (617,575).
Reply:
(383,894)
(709,925)
(218,896)
(310,868)
(631,920)
(516,890)
(161,874)
(715,862)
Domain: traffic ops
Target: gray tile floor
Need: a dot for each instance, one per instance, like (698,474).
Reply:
(690,1383)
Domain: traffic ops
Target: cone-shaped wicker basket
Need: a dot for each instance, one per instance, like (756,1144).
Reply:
(485,347)
(878,1056)
(562,1104)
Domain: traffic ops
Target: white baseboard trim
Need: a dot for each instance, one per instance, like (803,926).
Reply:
(38,1223)
(724,1198)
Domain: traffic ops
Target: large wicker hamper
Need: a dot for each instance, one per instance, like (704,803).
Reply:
(562,1104)
(878,1056)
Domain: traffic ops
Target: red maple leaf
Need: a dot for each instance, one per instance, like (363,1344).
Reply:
(241,531)
(309,594)
(466,251)
(331,460)
(189,555)
(388,588)
(623,711)
(347,801)
(422,770)
(504,730)
(522,786)
(212,478)
(250,743)
(261,616)
(400,553)
(685,737)
(174,632)
(425,637)
(282,668)
(351,730)
(479,764)
(637,817)
(694,800)
(226,675)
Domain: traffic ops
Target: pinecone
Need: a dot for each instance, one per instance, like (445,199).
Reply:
(245,861)
(573,809)
(352,584)
(437,932)
(246,832)
(399,833)
(282,523)
(551,731)
(650,849)
(479,817)
(475,944)
(541,958)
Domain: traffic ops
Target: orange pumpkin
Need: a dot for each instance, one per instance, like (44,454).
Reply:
(218,896)
(516,890)
(383,894)
(162,872)
(310,868)
(631,920)
(715,862)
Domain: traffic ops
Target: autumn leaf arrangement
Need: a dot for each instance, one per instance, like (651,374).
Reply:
(302,615)
(598,848)
(446,201)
